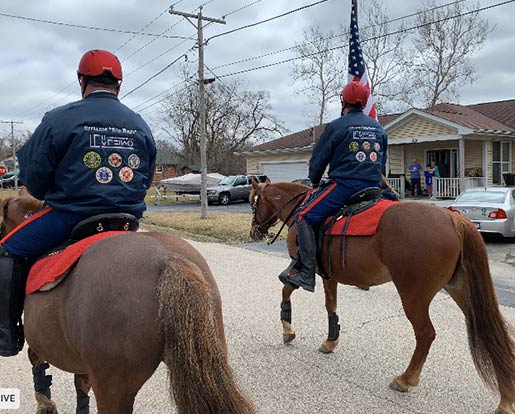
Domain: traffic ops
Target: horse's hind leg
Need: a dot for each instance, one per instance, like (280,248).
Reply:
(417,312)
(114,395)
(42,384)
(330,344)
(82,387)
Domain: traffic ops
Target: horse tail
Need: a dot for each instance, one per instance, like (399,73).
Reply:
(490,337)
(201,380)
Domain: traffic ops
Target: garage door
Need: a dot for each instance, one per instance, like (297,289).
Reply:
(285,171)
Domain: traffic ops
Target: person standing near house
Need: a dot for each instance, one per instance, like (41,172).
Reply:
(88,157)
(434,168)
(428,175)
(354,147)
(415,169)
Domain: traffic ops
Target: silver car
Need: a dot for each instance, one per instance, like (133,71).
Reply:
(491,209)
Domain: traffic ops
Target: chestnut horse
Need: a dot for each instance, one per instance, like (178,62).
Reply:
(132,301)
(404,251)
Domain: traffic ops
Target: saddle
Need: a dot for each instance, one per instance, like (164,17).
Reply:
(51,268)
(367,207)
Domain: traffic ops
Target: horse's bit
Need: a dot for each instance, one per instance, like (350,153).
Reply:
(272,220)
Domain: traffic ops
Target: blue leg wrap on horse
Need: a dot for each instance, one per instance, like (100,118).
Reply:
(42,382)
(334,327)
(286,311)
(82,403)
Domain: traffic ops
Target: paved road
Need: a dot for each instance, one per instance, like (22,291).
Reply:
(376,344)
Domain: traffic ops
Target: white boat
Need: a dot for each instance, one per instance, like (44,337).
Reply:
(189,183)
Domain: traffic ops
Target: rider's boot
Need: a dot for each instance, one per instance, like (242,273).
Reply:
(305,262)
(12,294)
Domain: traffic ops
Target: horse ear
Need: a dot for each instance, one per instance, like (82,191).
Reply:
(23,191)
(254,184)
(268,180)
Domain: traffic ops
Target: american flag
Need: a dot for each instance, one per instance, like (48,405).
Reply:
(357,68)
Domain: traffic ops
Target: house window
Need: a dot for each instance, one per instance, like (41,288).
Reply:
(159,169)
(501,160)
(445,159)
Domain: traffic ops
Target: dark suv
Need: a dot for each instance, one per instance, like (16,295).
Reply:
(8,180)
(233,187)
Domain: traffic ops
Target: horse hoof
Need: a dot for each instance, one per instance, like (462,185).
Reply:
(328,347)
(397,386)
(45,406)
(287,338)
(501,411)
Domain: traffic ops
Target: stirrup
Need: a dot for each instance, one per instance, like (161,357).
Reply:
(283,276)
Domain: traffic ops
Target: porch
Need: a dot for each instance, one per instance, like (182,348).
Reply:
(442,187)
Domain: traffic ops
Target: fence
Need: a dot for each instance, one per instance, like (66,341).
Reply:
(450,187)
(399,185)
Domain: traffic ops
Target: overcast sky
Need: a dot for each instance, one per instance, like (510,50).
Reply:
(38,62)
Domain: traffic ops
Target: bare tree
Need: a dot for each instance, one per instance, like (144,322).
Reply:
(386,56)
(444,44)
(320,71)
(235,120)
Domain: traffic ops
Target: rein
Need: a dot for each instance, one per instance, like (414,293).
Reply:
(272,220)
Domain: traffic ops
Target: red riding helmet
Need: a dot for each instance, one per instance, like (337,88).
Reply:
(355,93)
(100,62)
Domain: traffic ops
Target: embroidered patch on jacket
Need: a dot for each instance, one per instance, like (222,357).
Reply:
(353,146)
(133,161)
(361,156)
(114,160)
(377,146)
(373,156)
(92,159)
(126,174)
(366,145)
(104,175)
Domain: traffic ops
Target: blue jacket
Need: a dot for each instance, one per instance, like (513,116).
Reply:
(354,146)
(89,157)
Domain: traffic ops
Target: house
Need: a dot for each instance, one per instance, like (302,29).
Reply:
(473,145)
(169,165)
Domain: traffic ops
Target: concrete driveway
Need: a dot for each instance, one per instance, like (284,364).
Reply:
(376,344)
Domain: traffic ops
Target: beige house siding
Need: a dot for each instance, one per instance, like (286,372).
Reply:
(418,127)
(473,154)
(395,153)
(254,161)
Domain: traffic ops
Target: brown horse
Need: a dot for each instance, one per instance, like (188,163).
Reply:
(404,251)
(132,301)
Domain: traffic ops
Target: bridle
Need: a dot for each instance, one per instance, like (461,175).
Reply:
(262,228)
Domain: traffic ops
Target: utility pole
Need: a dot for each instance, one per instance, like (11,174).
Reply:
(202,101)
(14,148)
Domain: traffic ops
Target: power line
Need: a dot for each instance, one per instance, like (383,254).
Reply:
(157,74)
(266,20)
(373,38)
(275,52)
(32,19)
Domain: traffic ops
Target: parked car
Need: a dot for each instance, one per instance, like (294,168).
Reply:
(8,180)
(491,209)
(233,187)
(305,181)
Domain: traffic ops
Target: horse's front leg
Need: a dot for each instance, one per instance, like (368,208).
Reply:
(42,383)
(288,332)
(330,344)
(82,387)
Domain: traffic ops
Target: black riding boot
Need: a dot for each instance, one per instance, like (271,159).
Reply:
(11,304)
(306,261)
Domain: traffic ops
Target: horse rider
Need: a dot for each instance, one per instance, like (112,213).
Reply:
(354,148)
(88,157)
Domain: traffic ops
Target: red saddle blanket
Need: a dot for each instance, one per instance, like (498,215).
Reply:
(48,271)
(361,224)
